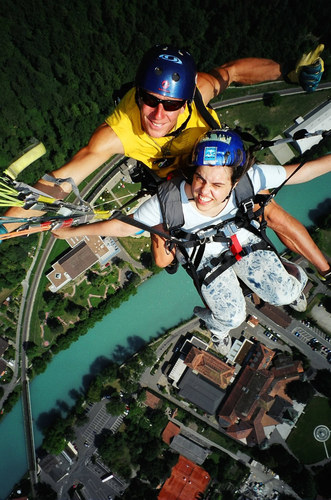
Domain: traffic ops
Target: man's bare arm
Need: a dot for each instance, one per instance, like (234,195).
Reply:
(246,71)
(102,145)
(114,227)
(310,170)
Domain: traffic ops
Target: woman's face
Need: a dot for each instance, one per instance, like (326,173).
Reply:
(211,187)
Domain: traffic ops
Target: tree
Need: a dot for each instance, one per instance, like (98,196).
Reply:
(322,382)
(262,131)
(301,392)
(45,491)
(54,441)
(322,480)
(54,325)
(115,405)
(147,356)
(140,490)
(271,100)
(39,364)
(30,348)
(94,390)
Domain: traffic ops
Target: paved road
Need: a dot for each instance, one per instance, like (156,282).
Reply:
(25,330)
(258,97)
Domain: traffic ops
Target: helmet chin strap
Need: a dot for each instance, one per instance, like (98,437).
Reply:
(176,133)
(228,196)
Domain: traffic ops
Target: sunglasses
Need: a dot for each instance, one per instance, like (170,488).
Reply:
(152,101)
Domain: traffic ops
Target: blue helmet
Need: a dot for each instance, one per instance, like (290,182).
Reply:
(168,71)
(219,147)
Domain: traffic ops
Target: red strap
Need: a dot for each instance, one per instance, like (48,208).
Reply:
(236,248)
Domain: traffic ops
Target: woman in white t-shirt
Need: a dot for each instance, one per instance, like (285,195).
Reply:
(220,162)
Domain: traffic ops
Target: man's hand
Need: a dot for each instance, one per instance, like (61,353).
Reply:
(308,70)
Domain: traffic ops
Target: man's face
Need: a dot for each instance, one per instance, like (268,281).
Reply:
(156,121)
(210,188)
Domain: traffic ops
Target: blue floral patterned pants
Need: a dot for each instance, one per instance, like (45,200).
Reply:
(264,274)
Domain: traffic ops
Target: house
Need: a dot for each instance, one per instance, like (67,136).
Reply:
(200,392)
(86,251)
(169,432)
(3,368)
(3,346)
(152,401)
(276,314)
(189,449)
(319,119)
(187,482)
(257,402)
(210,367)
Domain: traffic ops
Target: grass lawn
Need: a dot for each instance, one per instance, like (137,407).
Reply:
(135,246)
(301,440)
(324,242)
(118,196)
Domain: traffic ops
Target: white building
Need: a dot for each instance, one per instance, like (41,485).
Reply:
(317,119)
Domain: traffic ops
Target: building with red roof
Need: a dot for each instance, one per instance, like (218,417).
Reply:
(211,367)
(258,399)
(187,481)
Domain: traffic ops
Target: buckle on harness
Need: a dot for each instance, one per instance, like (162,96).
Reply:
(236,248)
(230,230)
(247,206)
(206,236)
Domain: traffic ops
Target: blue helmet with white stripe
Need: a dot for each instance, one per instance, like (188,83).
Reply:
(219,147)
(168,71)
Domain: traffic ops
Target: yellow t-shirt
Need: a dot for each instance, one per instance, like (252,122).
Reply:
(125,121)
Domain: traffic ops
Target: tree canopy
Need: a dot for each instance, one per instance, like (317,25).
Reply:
(60,62)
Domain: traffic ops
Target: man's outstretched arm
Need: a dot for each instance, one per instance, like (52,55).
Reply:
(102,145)
(295,236)
(307,72)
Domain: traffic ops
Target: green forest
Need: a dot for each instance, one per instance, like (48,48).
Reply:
(61,61)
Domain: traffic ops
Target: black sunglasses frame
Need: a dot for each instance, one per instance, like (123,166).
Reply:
(152,101)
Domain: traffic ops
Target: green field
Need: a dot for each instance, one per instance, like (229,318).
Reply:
(276,119)
(301,440)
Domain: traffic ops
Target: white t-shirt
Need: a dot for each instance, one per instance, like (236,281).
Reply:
(262,177)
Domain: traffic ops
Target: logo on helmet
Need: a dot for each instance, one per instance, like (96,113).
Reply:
(169,57)
(209,155)
(164,86)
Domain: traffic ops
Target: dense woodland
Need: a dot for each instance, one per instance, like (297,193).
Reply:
(61,61)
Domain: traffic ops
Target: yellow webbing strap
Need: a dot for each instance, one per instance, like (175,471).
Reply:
(31,155)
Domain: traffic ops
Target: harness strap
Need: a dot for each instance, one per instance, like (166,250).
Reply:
(203,111)
(129,220)
(227,259)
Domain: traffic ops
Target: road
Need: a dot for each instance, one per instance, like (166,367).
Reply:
(258,97)
(23,329)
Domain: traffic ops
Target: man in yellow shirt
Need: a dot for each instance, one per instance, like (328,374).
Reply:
(158,123)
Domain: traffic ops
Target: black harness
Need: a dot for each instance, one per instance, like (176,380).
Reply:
(173,218)
(223,232)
